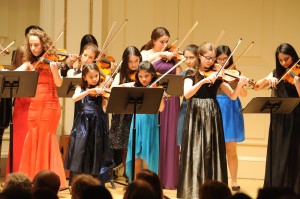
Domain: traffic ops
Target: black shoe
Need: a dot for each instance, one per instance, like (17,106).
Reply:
(235,188)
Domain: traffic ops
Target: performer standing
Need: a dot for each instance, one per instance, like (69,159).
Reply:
(41,151)
(192,61)
(21,105)
(233,120)
(73,58)
(89,148)
(203,147)
(147,130)
(120,123)
(155,52)
(283,162)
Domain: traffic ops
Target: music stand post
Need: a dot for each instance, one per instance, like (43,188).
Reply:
(271,105)
(134,100)
(17,84)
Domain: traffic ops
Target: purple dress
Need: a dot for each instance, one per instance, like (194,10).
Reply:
(169,150)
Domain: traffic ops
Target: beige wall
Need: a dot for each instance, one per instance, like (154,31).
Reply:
(266,22)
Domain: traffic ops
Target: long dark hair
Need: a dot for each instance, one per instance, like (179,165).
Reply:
(125,72)
(88,38)
(156,33)
(87,68)
(286,49)
(226,50)
(149,68)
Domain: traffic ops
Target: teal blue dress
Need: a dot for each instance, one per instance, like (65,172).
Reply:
(147,142)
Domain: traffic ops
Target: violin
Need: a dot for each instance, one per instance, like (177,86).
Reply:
(106,61)
(44,63)
(229,76)
(5,51)
(62,55)
(132,76)
(177,55)
(291,73)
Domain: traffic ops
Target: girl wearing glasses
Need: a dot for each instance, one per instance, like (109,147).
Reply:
(233,121)
(203,155)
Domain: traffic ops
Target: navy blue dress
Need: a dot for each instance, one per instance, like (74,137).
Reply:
(89,149)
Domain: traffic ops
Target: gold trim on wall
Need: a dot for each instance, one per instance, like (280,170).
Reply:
(63,120)
(91,17)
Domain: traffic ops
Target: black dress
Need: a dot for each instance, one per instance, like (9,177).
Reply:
(89,149)
(284,134)
(203,155)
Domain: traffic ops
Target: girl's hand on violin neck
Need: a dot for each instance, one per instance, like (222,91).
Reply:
(210,79)
(297,81)
(72,59)
(54,66)
(166,55)
(271,81)
(96,91)
(244,81)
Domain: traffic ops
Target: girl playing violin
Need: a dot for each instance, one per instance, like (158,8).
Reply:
(203,155)
(192,61)
(282,164)
(120,123)
(154,52)
(41,151)
(72,59)
(88,55)
(20,112)
(89,148)
(233,121)
(147,130)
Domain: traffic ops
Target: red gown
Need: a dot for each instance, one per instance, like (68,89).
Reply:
(20,129)
(41,150)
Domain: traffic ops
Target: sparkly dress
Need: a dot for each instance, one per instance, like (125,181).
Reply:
(203,154)
(169,151)
(41,150)
(89,149)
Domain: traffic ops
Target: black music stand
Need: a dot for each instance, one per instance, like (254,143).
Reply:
(173,84)
(68,86)
(271,105)
(134,100)
(17,84)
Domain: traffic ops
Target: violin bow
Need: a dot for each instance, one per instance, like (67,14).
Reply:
(163,75)
(250,45)
(124,23)
(109,33)
(220,37)
(43,56)
(188,34)
(119,65)
(9,45)
(238,43)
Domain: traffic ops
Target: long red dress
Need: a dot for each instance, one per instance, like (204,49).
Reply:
(41,150)
(20,130)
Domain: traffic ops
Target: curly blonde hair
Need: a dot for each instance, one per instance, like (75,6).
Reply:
(46,42)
